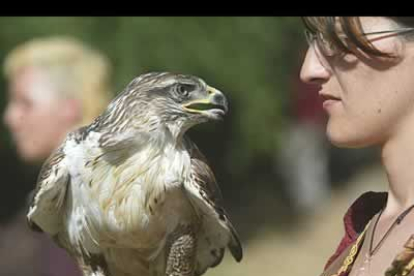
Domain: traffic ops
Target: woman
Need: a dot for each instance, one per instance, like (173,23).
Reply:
(55,84)
(365,69)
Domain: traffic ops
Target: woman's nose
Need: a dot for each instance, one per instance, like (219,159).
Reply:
(314,70)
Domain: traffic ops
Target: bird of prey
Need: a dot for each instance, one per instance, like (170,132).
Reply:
(131,194)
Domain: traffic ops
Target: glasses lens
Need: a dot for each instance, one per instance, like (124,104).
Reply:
(325,45)
(310,37)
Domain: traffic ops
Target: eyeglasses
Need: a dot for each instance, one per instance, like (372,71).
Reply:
(329,49)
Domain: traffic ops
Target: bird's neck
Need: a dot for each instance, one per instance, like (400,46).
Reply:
(159,138)
(175,131)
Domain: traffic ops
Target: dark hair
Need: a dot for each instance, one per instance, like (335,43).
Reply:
(351,27)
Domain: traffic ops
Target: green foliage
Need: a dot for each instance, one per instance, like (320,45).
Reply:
(250,59)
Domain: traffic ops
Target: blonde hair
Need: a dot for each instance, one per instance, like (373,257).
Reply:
(78,71)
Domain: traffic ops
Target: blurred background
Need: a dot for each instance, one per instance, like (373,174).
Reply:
(285,188)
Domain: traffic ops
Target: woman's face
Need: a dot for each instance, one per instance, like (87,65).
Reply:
(34,114)
(368,100)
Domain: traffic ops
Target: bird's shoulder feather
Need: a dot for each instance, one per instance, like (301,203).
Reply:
(49,194)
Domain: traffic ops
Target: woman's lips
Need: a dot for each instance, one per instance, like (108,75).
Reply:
(329,100)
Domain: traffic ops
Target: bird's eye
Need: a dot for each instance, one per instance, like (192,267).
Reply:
(184,89)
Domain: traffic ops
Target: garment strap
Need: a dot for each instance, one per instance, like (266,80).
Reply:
(349,260)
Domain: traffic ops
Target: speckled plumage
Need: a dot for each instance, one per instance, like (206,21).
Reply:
(131,194)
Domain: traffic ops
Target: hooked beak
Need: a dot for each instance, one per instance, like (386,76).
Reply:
(214,105)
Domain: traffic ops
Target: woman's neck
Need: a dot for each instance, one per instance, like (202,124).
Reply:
(398,160)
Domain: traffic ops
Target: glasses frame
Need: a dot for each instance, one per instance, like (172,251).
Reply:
(328,49)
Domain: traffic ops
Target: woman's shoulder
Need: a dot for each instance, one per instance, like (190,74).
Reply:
(357,217)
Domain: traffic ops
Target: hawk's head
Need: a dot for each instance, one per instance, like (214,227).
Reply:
(174,100)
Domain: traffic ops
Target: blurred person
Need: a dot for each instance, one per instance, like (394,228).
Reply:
(16,243)
(303,156)
(55,84)
(364,67)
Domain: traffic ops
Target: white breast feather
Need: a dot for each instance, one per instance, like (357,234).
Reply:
(124,189)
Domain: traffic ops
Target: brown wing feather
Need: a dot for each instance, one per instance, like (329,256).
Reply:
(204,186)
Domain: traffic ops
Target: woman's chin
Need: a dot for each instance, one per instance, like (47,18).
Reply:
(343,140)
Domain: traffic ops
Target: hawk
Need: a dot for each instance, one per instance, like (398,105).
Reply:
(131,194)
